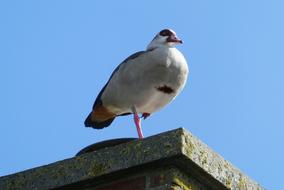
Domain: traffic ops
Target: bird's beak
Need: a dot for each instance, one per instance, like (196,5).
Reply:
(174,39)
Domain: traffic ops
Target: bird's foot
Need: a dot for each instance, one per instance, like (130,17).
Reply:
(145,115)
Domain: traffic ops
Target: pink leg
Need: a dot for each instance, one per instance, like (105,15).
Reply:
(138,125)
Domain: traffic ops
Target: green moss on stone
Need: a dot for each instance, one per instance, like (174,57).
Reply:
(96,168)
(242,183)
(178,184)
(189,147)
(228,183)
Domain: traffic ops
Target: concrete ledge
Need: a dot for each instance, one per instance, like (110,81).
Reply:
(177,149)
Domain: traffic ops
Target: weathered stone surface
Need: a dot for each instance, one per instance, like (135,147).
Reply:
(213,164)
(177,148)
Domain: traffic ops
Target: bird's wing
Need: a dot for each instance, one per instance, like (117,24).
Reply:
(98,100)
(101,117)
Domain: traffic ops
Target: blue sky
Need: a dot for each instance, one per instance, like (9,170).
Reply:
(57,55)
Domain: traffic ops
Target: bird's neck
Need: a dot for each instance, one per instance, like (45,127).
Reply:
(154,45)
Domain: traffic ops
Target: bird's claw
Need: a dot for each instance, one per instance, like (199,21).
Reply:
(145,115)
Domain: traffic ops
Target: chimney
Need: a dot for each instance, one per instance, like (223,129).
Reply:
(174,160)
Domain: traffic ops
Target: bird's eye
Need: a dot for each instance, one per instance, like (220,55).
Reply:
(166,32)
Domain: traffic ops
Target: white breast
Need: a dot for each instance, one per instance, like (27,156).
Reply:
(171,71)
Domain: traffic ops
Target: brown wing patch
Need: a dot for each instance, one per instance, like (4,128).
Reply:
(165,89)
(101,113)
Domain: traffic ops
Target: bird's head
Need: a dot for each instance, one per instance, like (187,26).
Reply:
(166,37)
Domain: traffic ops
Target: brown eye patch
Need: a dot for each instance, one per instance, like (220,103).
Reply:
(166,32)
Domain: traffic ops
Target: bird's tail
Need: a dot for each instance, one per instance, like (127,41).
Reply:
(98,121)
